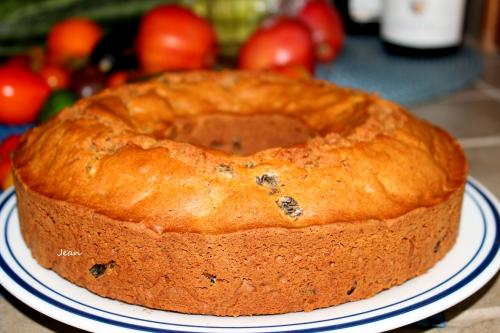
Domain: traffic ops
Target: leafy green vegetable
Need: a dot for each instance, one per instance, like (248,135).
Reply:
(26,22)
(57,101)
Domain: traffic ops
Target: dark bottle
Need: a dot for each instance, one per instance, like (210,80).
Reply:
(422,28)
(361,17)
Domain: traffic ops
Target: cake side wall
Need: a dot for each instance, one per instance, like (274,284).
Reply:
(259,271)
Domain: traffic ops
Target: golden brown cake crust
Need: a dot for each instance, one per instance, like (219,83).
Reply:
(359,197)
(111,152)
(248,272)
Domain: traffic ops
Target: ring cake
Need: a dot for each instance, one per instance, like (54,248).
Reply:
(238,193)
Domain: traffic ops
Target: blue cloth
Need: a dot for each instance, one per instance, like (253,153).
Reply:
(6,130)
(364,64)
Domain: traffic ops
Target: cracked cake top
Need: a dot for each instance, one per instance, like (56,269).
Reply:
(215,152)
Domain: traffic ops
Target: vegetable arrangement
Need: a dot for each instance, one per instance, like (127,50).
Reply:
(24,22)
(80,56)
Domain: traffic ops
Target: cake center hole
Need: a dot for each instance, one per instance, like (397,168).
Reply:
(241,134)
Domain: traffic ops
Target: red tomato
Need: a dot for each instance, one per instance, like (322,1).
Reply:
(56,76)
(283,42)
(326,26)
(117,79)
(72,38)
(295,72)
(6,149)
(22,93)
(8,145)
(173,37)
(22,61)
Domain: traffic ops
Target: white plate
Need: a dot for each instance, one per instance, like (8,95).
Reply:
(469,265)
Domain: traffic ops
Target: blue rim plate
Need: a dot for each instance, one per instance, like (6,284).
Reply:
(467,267)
